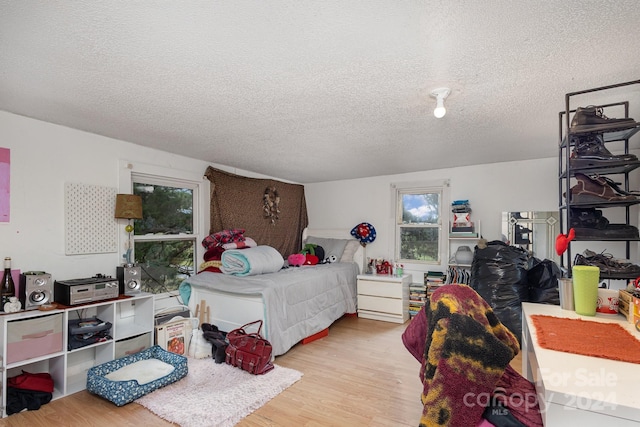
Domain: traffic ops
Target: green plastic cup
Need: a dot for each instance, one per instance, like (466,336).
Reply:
(585,289)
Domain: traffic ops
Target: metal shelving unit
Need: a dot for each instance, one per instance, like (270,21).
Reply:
(566,172)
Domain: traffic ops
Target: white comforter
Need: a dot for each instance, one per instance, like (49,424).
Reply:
(251,261)
(299,301)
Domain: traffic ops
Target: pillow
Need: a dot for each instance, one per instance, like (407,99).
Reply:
(224,236)
(333,247)
(143,371)
(212,259)
(350,250)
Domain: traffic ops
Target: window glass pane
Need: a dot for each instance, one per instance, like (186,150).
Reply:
(164,243)
(420,208)
(419,243)
(165,264)
(166,210)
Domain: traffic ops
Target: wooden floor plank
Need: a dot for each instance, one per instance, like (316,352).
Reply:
(359,375)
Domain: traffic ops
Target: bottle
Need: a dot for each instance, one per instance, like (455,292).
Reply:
(8,287)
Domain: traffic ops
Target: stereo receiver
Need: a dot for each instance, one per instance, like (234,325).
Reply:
(81,291)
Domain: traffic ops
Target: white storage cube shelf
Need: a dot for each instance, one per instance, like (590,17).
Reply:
(131,318)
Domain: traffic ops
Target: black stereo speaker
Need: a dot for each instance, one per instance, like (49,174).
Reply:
(129,279)
(36,289)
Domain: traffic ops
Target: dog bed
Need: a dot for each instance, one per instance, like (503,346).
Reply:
(124,380)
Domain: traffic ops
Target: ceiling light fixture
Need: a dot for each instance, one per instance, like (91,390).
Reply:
(440,94)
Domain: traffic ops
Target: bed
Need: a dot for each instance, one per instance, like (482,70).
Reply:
(294,303)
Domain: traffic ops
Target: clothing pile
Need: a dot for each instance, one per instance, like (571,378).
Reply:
(28,391)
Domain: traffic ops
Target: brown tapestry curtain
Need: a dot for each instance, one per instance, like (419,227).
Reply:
(239,202)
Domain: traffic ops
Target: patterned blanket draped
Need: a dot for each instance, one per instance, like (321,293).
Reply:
(465,359)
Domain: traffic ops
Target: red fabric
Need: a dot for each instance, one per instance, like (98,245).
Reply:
(35,382)
(224,236)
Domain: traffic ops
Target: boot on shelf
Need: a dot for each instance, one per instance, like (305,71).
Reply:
(590,151)
(592,119)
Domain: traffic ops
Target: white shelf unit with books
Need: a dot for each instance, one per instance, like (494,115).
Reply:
(460,272)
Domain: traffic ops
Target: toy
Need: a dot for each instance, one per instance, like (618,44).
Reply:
(313,249)
(562,241)
(296,260)
(311,259)
(330,259)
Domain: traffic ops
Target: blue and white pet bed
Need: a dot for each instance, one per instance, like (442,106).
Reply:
(124,380)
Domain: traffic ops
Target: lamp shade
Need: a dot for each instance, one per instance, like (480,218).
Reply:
(128,206)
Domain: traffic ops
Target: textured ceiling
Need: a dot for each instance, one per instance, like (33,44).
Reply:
(313,91)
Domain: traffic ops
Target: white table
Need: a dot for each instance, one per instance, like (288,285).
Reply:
(575,390)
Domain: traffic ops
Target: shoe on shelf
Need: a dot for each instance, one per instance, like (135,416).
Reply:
(590,151)
(611,231)
(597,189)
(592,119)
(608,265)
(588,223)
(587,218)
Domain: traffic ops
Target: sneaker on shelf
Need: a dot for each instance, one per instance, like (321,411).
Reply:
(608,265)
(592,119)
(596,189)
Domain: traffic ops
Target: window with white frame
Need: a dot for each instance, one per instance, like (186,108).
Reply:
(418,222)
(165,239)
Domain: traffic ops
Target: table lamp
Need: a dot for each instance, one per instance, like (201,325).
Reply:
(128,206)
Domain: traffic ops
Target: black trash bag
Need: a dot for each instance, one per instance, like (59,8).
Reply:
(543,282)
(499,275)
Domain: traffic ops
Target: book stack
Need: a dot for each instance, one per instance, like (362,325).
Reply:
(417,298)
(433,280)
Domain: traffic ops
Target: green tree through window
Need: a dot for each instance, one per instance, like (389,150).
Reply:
(418,220)
(164,238)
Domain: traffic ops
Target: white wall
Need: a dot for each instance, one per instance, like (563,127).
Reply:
(45,156)
(490,189)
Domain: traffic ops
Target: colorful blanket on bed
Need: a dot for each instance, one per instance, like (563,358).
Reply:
(466,353)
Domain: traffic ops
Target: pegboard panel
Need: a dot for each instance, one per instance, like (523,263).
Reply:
(90,226)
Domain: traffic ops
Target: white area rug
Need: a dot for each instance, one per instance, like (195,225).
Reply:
(216,394)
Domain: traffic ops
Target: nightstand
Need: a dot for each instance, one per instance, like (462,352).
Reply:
(383,297)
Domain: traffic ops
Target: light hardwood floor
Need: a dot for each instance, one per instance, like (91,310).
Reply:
(359,375)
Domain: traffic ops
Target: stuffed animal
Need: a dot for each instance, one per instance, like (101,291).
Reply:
(330,259)
(311,259)
(296,260)
(314,249)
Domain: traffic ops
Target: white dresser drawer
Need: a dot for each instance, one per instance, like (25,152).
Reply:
(383,305)
(380,289)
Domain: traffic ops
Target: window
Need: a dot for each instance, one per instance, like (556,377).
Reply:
(166,238)
(418,221)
